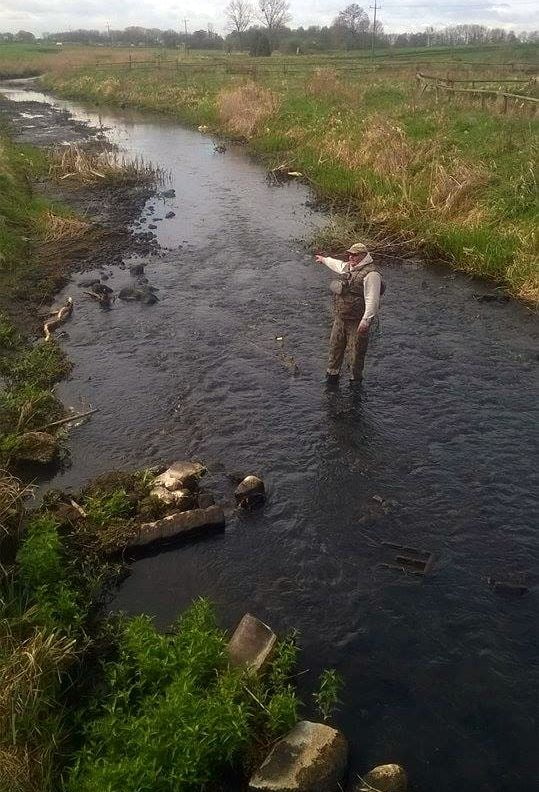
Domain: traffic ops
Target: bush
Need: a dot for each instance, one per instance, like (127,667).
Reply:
(260,48)
(45,577)
(174,715)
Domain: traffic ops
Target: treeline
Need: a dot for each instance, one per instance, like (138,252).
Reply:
(264,27)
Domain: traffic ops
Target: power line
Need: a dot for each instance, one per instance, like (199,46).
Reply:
(376,7)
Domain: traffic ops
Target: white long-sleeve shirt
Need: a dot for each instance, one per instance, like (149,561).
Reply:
(372,283)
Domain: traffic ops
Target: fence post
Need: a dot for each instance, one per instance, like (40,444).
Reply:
(130,62)
(504,106)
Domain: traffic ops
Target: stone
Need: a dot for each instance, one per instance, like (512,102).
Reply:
(170,215)
(179,524)
(144,294)
(168,194)
(181,475)
(250,492)
(88,282)
(252,643)
(311,758)
(136,269)
(384,778)
(36,447)
(181,499)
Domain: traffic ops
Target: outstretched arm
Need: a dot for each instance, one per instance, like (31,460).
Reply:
(334,264)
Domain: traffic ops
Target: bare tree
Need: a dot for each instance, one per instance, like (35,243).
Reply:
(351,26)
(239,14)
(274,14)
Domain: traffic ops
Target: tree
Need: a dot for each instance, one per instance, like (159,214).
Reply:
(260,46)
(352,26)
(24,35)
(274,14)
(239,14)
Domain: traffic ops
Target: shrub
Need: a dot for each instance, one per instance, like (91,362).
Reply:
(174,715)
(243,109)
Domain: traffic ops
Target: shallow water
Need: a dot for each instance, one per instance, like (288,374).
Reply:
(441,672)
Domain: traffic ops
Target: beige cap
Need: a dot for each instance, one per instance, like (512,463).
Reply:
(359,247)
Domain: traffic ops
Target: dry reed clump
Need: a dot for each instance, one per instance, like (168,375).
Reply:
(453,189)
(385,148)
(524,271)
(108,87)
(244,108)
(18,766)
(11,508)
(90,167)
(29,667)
(58,228)
(324,82)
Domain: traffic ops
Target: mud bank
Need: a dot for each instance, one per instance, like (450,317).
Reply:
(108,210)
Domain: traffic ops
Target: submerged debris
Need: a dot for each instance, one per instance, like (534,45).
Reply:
(58,318)
(409,560)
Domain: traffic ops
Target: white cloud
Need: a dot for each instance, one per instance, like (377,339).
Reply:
(56,15)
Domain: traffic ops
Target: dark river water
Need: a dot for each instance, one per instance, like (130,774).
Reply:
(441,672)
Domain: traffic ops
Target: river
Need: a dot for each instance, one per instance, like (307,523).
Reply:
(438,452)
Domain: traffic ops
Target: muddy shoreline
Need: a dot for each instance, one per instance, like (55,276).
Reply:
(109,209)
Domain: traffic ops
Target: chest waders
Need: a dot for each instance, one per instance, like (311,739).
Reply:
(348,308)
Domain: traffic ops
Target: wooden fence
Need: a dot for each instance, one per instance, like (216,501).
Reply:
(503,98)
(286,66)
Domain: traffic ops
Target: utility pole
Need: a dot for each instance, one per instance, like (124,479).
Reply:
(376,7)
(185,26)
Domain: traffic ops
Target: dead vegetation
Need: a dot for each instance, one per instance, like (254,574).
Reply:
(88,166)
(58,228)
(453,188)
(244,108)
(11,508)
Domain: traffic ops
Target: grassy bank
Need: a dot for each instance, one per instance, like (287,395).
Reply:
(93,704)
(29,371)
(456,180)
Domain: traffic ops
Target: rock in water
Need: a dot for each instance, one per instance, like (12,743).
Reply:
(142,294)
(36,447)
(385,778)
(250,492)
(181,475)
(311,758)
(180,524)
(136,269)
(252,643)
(181,499)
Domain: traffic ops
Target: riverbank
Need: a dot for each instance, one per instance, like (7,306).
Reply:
(451,180)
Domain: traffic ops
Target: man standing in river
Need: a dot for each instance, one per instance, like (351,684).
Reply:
(355,304)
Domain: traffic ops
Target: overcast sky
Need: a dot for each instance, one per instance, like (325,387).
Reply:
(40,16)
